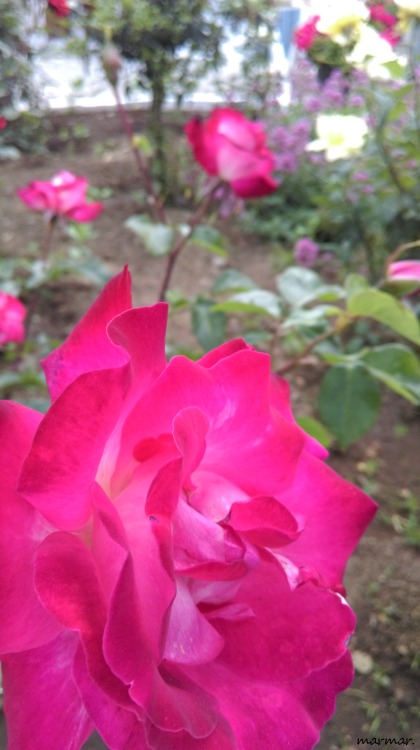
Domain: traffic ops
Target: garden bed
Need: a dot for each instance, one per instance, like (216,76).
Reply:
(383,575)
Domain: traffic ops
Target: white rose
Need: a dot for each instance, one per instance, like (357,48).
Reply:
(340,136)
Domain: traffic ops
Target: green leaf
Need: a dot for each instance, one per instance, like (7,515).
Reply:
(257,337)
(24,379)
(176,299)
(298,286)
(232,280)
(317,430)
(210,239)
(143,144)
(354,283)
(311,318)
(209,326)
(387,310)
(253,301)
(348,402)
(157,238)
(397,367)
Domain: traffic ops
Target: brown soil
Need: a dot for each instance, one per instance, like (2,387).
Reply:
(383,576)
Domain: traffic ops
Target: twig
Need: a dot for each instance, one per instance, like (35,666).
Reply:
(307,349)
(182,241)
(155,205)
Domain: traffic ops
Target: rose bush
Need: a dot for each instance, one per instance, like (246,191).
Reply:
(12,315)
(232,148)
(64,195)
(172,550)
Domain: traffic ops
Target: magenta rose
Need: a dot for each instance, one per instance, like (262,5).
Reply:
(59,7)
(403,276)
(12,315)
(172,550)
(64,195)
(229,146)
(3,123)
(306,34)
(405,270)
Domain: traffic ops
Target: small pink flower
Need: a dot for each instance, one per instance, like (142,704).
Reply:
(12,315)
(172,549)
(404,270)
(306,252)
(232,148)
(305,35)
(287,162)
(59,7)
(3,123)
(64,195)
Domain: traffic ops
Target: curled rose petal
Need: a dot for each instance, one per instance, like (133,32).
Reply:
(172,546)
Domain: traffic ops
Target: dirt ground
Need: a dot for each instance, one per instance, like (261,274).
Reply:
(383,576)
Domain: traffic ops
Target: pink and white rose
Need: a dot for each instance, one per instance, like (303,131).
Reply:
(12,316)
(64,195)
(172,549)
(229,146)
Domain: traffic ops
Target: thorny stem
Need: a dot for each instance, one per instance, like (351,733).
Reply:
(45,253)
(47,239)
(155,206)
(183,239)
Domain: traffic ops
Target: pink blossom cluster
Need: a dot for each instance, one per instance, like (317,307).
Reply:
(172,549)
(306,252)
(289,142)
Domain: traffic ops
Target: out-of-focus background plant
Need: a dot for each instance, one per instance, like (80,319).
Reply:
(322,165)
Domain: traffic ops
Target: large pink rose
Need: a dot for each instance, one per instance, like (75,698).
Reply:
(63,195)
(12,315)
(172,550)
(231,147)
